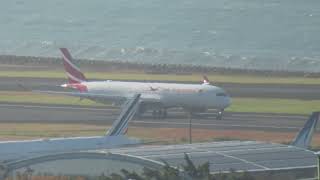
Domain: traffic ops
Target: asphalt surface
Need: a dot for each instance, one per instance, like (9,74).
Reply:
(223,156)
(287,91)
(176,118)
(268,159)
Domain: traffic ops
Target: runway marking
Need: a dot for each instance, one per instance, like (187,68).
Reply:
(221,153)
(240,159)
(255,149)
(199,151)
(215,124)
(271,116)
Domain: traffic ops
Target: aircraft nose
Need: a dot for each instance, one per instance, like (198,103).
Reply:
(227,101)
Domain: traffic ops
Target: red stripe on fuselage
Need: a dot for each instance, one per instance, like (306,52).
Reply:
(79,87)
(71,81)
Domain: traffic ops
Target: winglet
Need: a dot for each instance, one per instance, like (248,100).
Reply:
(304,137)
(120,126)
(205,80)
(73,72)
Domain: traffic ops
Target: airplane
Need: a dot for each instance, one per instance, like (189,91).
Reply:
(115,137)
(158,97)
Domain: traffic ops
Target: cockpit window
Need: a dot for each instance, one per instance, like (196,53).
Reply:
(221,94)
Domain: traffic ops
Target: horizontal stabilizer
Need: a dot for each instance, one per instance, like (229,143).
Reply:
(304,137)
(92,96)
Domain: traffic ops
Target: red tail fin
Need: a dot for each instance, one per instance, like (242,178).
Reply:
(73,72)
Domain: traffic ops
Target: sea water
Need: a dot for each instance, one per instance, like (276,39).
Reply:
(258,34)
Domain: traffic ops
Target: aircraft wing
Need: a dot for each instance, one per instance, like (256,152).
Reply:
(92,96)
(146,98)
(151,98)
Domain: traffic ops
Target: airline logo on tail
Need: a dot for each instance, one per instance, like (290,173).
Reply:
(304,137)
(73,72)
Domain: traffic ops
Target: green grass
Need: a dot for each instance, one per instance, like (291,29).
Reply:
(45,130)
(259,105)
(28,97)
(46,134)
(170,77)
(274,105)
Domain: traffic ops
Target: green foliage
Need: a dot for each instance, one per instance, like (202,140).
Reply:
(274,105)
(131,175)
(190,168)
(151,174)
(170,173)
(233,175)
(190,171)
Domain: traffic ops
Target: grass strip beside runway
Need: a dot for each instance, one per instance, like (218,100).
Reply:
(196,78)
(274,105)
(39,98)
(258,105)
(22,131)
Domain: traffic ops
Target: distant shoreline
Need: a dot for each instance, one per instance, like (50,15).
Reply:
(121,66)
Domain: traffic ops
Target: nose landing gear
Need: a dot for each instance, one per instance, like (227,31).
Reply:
(220,114)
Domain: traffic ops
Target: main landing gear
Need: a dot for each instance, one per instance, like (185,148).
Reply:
(159,114)
(220,114)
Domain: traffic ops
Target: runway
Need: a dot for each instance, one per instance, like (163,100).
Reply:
(177,118)
(287,91)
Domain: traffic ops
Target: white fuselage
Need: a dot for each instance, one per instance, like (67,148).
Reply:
(17,150)
(166,94)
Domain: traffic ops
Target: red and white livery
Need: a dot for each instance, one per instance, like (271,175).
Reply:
(157,97)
